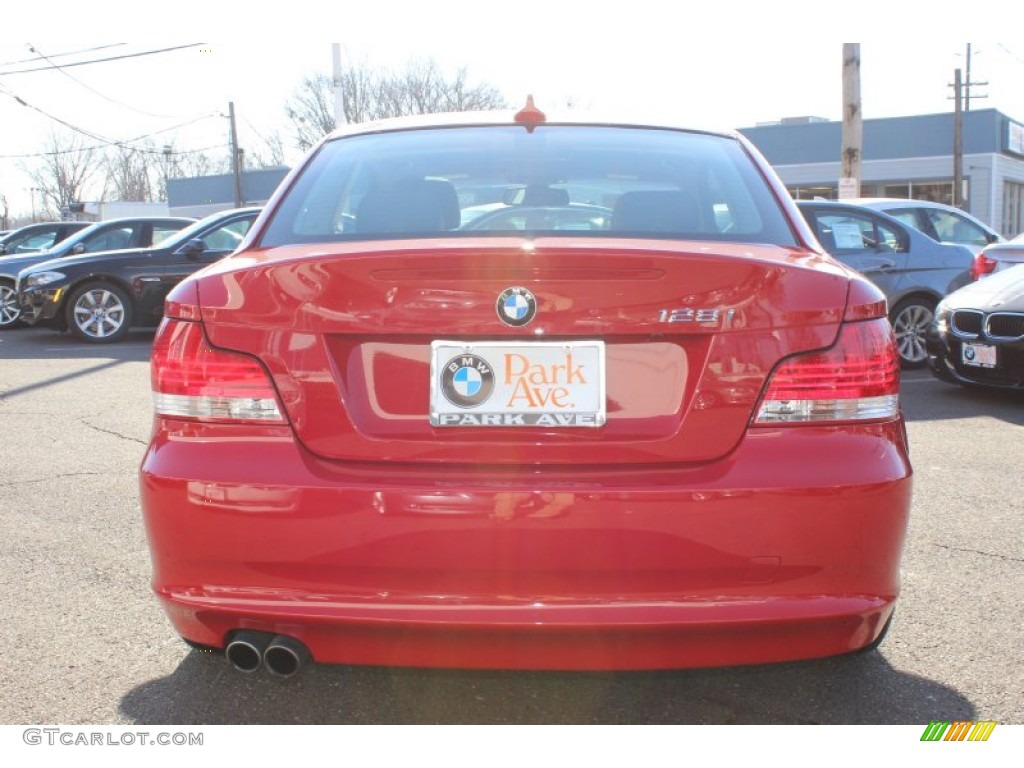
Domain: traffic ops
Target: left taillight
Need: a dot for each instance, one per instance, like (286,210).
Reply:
(981,266)
(857,379)
(193,380)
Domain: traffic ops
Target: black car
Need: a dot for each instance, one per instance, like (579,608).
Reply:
(38,237)
(109,235)
(29,239)
(977,338)
(100,296)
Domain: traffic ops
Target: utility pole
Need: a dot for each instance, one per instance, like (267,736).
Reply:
(962,100)
(236,169)
(339,104)
(853,130)
(958,142)
(968,83)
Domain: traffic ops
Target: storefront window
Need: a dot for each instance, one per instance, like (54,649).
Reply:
(811,193)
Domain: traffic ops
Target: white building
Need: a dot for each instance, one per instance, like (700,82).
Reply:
(910,157)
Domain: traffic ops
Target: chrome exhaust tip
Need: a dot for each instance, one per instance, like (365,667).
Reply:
(285,656)
(245,651)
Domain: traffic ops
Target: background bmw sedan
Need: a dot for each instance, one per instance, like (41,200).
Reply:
(113,234)
(977,339)
(100,296)
(357,459)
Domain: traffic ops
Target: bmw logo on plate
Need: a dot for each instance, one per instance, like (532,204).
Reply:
(516,306)
(467,380)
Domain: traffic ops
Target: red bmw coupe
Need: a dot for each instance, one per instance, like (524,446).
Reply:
(498,390)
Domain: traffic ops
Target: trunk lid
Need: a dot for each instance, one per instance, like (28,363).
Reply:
(690,332)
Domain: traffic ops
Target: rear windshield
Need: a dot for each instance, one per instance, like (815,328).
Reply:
(558,180)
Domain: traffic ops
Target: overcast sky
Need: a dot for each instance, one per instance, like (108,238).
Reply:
(634,58)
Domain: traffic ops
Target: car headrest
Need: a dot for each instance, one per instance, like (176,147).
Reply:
(545,196)
(655,211)
(410,206)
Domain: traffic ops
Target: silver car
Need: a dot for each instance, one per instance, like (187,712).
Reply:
(999,256)
(914,271)
(942,223)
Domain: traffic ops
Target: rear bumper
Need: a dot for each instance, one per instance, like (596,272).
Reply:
(752,559)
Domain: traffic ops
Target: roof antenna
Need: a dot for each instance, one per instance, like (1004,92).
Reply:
(530,116)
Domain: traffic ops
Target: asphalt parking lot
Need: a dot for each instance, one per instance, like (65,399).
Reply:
(85,642)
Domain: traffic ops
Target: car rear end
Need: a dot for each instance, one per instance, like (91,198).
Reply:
(637,419)
(998,257)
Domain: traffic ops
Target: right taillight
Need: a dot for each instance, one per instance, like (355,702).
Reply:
(857,379)
(981,266)
(193,380)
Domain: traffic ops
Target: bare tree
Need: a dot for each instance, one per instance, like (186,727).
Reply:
(311,110)
(129,173)
(423,89)
(64,171)
(186,165)
(270,155)
(192,164)
(373,94)
(5,215)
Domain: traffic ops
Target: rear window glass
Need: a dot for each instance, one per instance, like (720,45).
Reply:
(503,180)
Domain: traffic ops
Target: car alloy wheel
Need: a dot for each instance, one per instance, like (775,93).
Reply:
(99,312)
(9,309)
(910,321)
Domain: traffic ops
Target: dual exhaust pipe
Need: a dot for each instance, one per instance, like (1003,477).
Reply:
(282,655)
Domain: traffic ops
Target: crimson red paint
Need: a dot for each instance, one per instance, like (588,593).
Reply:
(355,449)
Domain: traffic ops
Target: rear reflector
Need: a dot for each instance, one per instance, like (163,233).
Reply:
(858,379)
(192,380)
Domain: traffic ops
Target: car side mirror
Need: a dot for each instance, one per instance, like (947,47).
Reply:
(3,249)
(79,248)
(193,248)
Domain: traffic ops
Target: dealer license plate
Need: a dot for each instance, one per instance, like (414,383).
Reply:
(978,355)
(529,384)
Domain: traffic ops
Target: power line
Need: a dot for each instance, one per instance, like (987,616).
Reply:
(97,61)
(74,79)
(255,130)
(1010,53)
(104,141)
(144,150)
(76,129)
(58,55)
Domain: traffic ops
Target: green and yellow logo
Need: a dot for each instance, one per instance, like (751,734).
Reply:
(959,730)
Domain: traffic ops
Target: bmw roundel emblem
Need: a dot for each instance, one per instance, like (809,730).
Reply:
(516,307)
(467,380)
